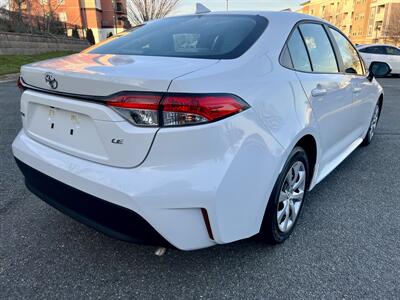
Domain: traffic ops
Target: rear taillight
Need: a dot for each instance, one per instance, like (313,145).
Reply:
(189,110)
(20,85)
(141,110)
(176,110)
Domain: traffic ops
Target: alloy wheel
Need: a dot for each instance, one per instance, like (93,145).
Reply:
(291,196)
(374,122)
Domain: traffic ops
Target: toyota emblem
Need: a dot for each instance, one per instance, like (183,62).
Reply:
(51,81)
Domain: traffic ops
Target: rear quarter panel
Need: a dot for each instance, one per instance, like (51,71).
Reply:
(280,114)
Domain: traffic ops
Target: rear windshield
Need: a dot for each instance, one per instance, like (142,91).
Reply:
(202,36)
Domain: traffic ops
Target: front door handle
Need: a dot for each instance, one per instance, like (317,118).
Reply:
(318,92)
(357,90)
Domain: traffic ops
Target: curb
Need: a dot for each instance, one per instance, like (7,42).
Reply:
(9,77)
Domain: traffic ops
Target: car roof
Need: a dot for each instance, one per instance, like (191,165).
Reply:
(374,45)
(267,13)
(272,16)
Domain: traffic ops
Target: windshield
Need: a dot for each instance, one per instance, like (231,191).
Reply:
(199,36)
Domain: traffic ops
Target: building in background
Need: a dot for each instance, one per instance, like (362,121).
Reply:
(102,16)
(363,21)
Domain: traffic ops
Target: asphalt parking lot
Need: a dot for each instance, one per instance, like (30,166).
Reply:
(346,244)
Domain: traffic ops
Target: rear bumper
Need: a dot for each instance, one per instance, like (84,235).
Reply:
(227,168)
(134,195)
(113,220)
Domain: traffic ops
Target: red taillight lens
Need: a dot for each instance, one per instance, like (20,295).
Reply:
(140,110)
(176,110)
(207,222)
(194,109)
(20,84)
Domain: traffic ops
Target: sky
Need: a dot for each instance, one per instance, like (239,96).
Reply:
(188,6)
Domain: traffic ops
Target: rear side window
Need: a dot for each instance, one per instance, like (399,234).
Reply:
(392,51)
(319,47)
(285,58)
(298,52)
(200,36)
(351,61)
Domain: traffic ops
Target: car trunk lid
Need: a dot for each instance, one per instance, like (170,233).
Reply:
(59,118)
(104,74)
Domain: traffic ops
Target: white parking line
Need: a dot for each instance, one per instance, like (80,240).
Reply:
(8,80)
(9,77)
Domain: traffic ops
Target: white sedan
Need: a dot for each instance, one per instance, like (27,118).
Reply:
(382,53)
(196,130)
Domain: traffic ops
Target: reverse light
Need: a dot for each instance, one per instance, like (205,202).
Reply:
(176,110)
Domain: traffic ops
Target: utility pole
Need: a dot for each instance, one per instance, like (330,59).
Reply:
(227,5)
(114,2)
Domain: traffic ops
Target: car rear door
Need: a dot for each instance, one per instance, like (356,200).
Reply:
(329,92)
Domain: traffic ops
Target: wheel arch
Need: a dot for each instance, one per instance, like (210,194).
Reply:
(309,144)
(385,62)
(380,103)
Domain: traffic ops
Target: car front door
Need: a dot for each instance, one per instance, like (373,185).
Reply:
(364,96)
(394,58)
(329,92)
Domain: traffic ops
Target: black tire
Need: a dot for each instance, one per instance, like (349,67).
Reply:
(270,231)
(371,131)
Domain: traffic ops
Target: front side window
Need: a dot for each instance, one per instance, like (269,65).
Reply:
(319,47)
(351,61)
(373,50)
(201,36)
(298,52)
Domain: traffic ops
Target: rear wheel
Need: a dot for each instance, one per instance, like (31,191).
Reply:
(286,200)
(372,127)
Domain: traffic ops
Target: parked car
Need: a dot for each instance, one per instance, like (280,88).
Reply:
(383,53)
(196,130)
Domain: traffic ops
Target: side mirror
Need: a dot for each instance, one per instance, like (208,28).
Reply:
(378,69)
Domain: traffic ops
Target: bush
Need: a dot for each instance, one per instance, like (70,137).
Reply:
(75,33)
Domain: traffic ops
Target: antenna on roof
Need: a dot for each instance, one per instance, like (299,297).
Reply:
(201,9)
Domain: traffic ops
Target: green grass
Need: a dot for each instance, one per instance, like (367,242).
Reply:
(12,63)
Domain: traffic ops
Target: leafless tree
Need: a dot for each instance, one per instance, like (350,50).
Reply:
(46,8)
(391,30)
(16,5)
(140,11)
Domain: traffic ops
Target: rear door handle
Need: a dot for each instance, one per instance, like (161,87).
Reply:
(318,92)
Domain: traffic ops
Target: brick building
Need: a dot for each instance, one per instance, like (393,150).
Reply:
(102,16)
(364,21)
